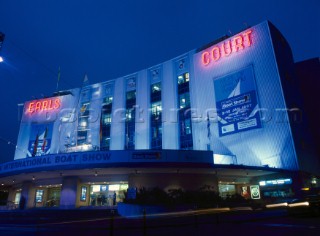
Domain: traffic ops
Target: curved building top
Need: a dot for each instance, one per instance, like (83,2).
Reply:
(225,97)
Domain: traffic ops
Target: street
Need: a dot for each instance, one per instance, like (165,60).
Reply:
(275,222)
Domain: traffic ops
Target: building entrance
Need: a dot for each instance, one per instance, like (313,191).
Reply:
(107,194)
(48,197)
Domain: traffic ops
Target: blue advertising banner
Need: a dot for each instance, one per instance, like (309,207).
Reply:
(236,102)
(40,140)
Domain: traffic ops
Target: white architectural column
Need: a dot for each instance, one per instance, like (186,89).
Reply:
(68,197)
(27,199)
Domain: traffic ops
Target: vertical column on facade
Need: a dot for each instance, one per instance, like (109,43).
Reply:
(68,196)
(117,132)
(142,111)
(27,199)
(169,108)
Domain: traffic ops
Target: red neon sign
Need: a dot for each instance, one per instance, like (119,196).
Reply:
(44,105)
(226,48)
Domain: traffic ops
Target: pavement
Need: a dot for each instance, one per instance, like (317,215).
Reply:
(83,222)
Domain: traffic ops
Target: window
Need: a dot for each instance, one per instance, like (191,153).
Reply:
(105,123)
(131,96)
(155,88)
(17,198)
(185,123)
(156,119)
(184,100)
(83,123)
(39,195)
(130,120)
(156,109)
(108,100)
(226,190)
(107,119)
(184,78)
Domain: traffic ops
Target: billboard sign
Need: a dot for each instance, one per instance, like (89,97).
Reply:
(255,192)
(236,102)
(40,140)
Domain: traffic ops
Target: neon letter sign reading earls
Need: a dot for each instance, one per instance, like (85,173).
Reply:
(226,48)
(44,105)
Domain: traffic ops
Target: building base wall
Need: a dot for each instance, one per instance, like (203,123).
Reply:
(173,181)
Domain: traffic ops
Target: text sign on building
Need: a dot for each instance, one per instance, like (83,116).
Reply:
(275,182)
(43,105)
(236,102)
(226,48)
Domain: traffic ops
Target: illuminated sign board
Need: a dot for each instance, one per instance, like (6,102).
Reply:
(275,182)
(39,195)
(237,102)
(48,104)
(227,48)
(255,192)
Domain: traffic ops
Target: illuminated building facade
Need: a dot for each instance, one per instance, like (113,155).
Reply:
(222,115)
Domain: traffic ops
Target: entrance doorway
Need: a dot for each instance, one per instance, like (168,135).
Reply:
(48,196)
(53,198)
(107,194)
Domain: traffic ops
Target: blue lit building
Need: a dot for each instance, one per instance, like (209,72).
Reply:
(226,115)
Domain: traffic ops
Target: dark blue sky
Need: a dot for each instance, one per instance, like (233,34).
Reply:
(109,39)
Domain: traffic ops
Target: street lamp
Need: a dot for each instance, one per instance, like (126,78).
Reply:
(1,59)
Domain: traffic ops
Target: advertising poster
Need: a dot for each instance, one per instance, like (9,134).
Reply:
(40,139)
(39,195)
(255,191)
(236,102)
(245,192)
(83,196)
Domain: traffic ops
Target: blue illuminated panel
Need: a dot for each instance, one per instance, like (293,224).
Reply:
(236,102)
(275,182)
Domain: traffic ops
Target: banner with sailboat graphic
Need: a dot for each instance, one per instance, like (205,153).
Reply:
(236,102)
(40,140)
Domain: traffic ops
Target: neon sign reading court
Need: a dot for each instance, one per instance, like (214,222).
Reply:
(226,48)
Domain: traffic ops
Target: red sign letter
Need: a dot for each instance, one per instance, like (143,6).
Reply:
(215,53)
(224,48)
(247,37)
(205,58)
(238,43)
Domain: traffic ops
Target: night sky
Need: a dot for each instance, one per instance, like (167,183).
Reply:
(109,39)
